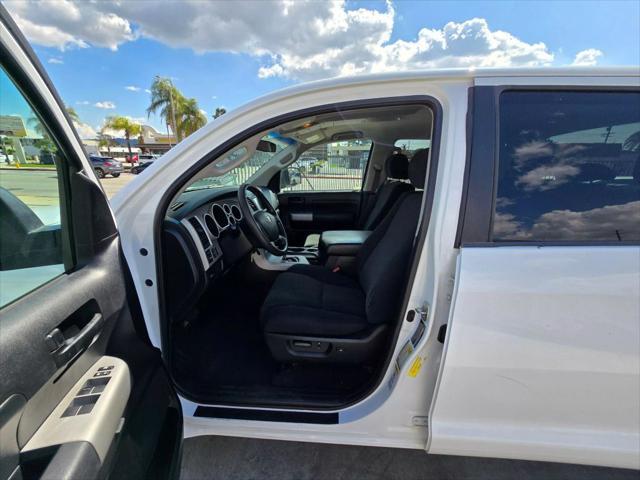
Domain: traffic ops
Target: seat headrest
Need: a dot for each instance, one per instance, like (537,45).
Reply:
(397,166)
(418,167)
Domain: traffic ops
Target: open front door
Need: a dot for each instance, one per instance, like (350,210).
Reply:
(83,394)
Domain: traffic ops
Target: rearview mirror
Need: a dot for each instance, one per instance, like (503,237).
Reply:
(266,146)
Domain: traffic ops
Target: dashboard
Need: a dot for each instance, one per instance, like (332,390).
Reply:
(202,239)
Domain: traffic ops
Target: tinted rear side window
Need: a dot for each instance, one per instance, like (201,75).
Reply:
(569,167)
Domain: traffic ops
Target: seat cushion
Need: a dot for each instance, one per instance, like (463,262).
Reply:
(314,301)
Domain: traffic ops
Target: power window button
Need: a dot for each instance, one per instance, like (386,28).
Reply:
(86,409)
(71,410)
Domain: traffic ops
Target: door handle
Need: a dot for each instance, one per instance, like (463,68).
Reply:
(63,350)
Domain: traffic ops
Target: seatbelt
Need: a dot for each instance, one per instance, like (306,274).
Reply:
(377,169)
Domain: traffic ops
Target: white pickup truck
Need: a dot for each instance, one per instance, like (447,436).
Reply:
(461,276)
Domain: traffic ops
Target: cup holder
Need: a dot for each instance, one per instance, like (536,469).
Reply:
(306,251)
(303,249)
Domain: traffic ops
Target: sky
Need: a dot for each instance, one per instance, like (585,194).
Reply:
(103,56)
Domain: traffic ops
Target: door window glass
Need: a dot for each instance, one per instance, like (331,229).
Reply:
(408,146)
(569,167)
(30,218)
(336,166)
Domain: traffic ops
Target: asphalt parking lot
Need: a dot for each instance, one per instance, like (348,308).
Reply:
(113,185)
(242,458)
(38,187)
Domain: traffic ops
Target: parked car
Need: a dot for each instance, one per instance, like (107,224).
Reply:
(104,166)
(310,165)
(479,298)
(147,157)
(47,158)
(136,169)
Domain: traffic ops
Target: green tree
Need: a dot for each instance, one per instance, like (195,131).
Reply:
(126,125)
(166,98)
(73,114)
(190,117)
(105,140)
(35,123)
(37,126)
(219,112)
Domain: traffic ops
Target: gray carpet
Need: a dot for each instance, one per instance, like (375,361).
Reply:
(248,459)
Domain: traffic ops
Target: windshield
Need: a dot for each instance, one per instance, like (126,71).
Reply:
(240,174)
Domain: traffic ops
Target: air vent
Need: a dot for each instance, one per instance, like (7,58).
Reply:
(176,206)
(202,235)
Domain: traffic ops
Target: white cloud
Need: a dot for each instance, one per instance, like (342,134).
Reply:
(132,88)
(56,61)
(204,112)
(85,130)
(106,105)
(587,58)
(603,223)
(83,102)
(147,90)
(304,40)
(65,24)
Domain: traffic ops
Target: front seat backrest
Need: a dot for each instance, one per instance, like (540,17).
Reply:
(384,257)
(397,170)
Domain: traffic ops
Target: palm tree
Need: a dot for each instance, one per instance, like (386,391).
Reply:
(38,127)
(105,140)
(166,98)
(219,112)
(190,117)
(128,126)
(73,115)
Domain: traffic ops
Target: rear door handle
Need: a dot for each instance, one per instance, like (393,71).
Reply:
(63,350)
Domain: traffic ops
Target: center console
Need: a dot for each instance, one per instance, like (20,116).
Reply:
(310,253)
(268,261)
(338,249)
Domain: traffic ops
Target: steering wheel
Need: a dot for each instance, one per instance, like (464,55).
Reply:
(265,228)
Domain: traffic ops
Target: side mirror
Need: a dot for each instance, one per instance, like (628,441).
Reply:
(290,177)
(266,146)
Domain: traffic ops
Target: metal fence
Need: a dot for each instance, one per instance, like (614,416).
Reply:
(334,172)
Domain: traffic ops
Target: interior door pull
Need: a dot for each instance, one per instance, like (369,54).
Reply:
(69,348)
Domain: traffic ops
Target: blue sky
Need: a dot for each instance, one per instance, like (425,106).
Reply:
(226,54)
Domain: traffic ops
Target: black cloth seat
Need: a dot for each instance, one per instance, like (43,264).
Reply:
(315,301)
(397,171)
(329,303)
